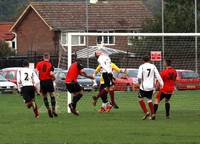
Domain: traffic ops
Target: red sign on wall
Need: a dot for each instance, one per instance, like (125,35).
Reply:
(156,56)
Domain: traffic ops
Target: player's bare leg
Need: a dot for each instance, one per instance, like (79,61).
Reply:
(53,104)
(156,102)
(35,109)
(112,97)
(29,104)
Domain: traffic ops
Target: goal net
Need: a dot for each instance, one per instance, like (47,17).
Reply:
(127,49)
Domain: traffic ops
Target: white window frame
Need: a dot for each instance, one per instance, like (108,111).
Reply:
(111,44)
(79,40)
(134,37)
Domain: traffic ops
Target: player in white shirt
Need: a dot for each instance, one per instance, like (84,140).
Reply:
(147,76)
(26,80)
(106,70)
(104,61)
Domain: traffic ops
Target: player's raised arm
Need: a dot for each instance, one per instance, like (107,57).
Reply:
(97,70)
(116,68)
(52,73)
(83,73)
(36,82)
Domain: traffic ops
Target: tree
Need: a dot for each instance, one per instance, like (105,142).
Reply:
(179,17)
(5,50)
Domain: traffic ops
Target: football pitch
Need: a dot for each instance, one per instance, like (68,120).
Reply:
(120,126)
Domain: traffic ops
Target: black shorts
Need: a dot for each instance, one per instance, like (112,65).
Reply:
(73,87)
(46,86)
(28,93)
(147,94)
(166,96)
(108,79)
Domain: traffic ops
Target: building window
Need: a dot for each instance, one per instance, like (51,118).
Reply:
(13,44)
(132,38)
(107,40)
(63,38)
(76,40)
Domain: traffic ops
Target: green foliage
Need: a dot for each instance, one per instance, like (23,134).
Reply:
(5,50)
(178,17)
(153,5)
(120,126)
(8,9)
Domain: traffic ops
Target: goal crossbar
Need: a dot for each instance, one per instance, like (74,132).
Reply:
(136,34)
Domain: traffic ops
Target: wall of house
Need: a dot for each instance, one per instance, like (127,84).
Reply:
(34,36)
(121,43)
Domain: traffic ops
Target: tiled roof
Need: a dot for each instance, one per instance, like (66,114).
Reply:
(111,15)
(4,31)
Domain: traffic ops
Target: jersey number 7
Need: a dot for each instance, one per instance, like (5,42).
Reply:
(149,71)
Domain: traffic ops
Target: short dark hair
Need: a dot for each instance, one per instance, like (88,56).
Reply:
(168,62)
(74,57)
(25,63)
(146,58)
(46,55)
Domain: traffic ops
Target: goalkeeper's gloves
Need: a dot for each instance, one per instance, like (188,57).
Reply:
(94,83)
(94,75)
(126,72)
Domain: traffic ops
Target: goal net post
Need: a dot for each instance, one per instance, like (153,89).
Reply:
(127,49)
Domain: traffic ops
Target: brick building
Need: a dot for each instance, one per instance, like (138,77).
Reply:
(43,26)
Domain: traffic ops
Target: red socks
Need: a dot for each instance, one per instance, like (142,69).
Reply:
(151,107)
(143,106)
(112,97)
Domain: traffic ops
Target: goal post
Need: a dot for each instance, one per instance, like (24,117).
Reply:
(69,61)
(181,47)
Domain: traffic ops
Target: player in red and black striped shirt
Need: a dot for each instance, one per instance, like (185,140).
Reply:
(169,77)
(46,76)
(72,84)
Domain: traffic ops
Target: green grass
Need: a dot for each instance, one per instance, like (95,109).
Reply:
(122,126)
